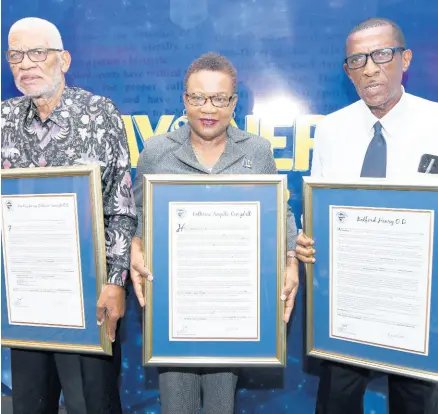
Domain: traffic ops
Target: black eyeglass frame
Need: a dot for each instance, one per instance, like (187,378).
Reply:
(367,55)
(46,50)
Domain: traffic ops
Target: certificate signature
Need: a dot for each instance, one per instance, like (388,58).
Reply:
(345,328)
(19,302)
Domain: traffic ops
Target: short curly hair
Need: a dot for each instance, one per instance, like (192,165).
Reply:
(213,62)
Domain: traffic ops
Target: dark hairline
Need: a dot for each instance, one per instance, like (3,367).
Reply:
(380,22)
(213,62)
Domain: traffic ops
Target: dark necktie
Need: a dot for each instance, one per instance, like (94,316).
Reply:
(374,163)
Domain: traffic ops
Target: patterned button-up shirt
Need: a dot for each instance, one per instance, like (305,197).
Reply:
(82,129)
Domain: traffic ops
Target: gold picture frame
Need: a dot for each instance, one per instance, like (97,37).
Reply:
(150,182)
(98,235)
(423,184)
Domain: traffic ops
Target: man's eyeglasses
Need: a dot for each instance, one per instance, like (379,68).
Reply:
(35,55)
(379,57)
(219,101)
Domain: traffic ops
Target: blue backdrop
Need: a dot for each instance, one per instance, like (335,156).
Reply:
(289,59)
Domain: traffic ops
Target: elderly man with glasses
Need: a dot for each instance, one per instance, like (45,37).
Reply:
(384,134)
(53,125)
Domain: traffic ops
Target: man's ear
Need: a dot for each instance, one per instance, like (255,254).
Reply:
(406,59)
(347,71)
(66,61)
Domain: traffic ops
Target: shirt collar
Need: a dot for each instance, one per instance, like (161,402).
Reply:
(59,115)
(390,121)
(31,111)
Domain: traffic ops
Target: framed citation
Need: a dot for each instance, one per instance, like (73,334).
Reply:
(216,247)
(53,263)
(372,295)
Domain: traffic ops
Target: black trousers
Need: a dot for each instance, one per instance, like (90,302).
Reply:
(89,382)
(342,387)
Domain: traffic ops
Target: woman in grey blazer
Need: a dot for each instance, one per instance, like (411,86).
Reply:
(206,144)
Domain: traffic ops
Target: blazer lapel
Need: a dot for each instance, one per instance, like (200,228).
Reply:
(233,151)
(230,156)
(185,152)
(186,155)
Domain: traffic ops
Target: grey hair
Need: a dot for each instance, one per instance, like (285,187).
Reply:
(380,22)
(213,62)
(53,36)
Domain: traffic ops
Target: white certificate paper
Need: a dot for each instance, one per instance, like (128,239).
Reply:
(214,271)
(381,268)
(42,260)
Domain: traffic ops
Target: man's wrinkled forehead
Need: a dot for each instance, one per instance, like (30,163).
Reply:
(367,40)
(28,39)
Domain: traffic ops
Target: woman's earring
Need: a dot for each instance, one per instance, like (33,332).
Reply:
(234,114)
(184,112)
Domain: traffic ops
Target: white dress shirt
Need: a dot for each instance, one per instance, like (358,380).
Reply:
(342,138)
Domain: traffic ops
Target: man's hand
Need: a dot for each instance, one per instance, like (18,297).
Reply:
(112,302)
(139,272)
(290,288)
(304,249)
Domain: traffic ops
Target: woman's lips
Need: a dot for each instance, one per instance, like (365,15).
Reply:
(208,122)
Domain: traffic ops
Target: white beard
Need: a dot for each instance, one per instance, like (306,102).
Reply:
(46,91)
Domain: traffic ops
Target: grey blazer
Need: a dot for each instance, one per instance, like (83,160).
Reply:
(172,153)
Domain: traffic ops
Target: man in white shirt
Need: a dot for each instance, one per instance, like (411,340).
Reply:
(384,134)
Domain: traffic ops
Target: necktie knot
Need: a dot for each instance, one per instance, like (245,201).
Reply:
(377,127)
